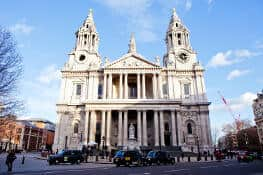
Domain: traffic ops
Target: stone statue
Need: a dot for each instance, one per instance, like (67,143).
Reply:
(131,132)
(107,61)
(157,60)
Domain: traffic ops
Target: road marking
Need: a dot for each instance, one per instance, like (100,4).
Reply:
(146,173)
(209,166)
(176,170)
(229,165)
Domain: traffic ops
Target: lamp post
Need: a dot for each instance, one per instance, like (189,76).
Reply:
(198,148)
(103,146)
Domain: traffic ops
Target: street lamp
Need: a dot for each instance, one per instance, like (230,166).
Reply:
(198,148)
(103,146)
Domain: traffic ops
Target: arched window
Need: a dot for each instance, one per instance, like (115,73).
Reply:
(76,128)
(189,128)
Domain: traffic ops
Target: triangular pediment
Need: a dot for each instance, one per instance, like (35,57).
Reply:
(132,60)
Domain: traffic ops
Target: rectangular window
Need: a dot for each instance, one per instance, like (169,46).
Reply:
(100,91)
(78,89)
(165,89)
(186,89)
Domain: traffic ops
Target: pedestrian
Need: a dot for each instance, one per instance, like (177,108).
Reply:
(10,159)
(23,157)
(57,151)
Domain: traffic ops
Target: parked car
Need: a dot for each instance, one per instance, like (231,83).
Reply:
(159,157)
(243,156)
(66,156)
(128,158)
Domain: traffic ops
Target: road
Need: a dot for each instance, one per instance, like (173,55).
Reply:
(231,167)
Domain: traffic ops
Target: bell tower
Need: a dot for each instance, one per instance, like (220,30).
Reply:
(85,55)
(177,42)
(87,37)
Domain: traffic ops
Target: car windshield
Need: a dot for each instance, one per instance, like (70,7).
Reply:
(120,153)
(61,152)
(151,154)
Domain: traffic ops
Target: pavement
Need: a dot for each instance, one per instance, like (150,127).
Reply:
(35,166)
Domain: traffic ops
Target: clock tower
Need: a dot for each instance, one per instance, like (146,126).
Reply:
(179,54)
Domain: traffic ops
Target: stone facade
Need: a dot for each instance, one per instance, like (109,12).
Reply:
(132,102)
(258,112)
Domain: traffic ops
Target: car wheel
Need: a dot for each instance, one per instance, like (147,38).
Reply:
(117,164)
(172,162)
(50,163)
(78,161)
(158,162)
(139,163)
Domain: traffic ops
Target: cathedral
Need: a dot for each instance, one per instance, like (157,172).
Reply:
(133,103)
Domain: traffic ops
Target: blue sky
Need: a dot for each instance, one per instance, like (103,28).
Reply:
(227,35)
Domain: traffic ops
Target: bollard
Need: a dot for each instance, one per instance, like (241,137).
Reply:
(97,158)
(23,159)
(205,157)
(178,159)
(212,158)
(189,159)
(110,158)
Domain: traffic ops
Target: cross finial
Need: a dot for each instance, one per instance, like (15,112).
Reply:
(90,16)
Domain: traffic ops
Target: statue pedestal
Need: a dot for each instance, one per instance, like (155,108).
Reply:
(132,144)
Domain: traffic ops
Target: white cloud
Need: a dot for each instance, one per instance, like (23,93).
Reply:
(230,57)
(188,5)
(210,2)
(259,45)
(138,16)
(49,74)
(41,94)
(237,73)
(242,102)
(21,28)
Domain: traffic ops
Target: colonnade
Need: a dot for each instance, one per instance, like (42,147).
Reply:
(142,136)
(123,85)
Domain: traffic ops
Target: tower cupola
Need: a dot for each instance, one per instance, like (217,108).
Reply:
(177,35)
(87,37)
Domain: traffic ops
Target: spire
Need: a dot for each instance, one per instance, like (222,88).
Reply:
(132,44)
(174,17)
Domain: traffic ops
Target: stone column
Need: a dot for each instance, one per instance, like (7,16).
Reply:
(156,131)
(173,128)
(120,88)
(125,129)
(170,87)
(126,86)
(179,124)
(154,85)
(105,86)
(138,86)
(110,86)
(103,122)
(92,130)
(162,128)
(108,128)
(90,85)
(120,129)
(160,86)
(143,86)
(86,127)
(144,125)
(139,129)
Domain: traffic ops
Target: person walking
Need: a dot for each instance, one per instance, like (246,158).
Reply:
(10,159)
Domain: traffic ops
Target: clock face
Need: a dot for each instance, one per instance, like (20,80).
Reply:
(183,56)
